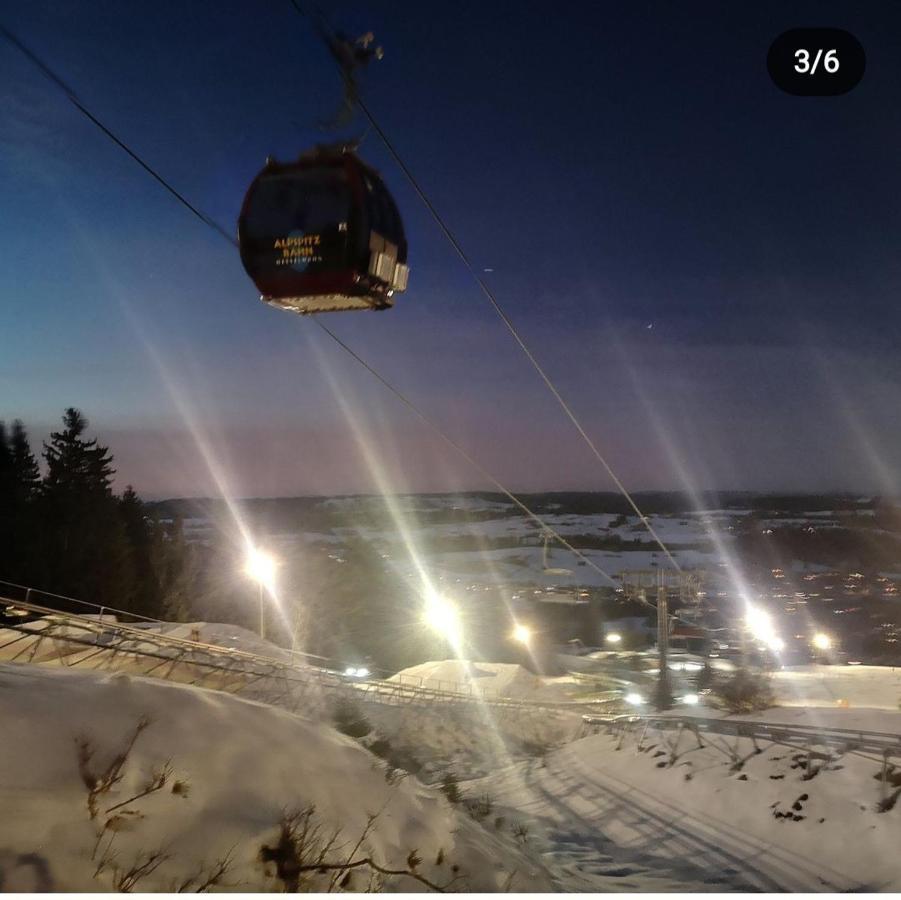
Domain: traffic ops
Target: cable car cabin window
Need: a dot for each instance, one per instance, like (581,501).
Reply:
(384,217)
(297,222)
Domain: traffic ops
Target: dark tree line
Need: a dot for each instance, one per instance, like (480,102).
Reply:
(67,532)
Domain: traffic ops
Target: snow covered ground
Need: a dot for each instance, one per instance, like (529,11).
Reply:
(608,819)
(872,687)
(564,813)
(229,771)
(524,565)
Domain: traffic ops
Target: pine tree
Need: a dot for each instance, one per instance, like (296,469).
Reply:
(178,566)
(142,549)
(19,485)
(84,546)
(76,467)
(7,493)
(25,471)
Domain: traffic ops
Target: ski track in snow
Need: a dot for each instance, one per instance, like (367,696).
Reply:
(598,832)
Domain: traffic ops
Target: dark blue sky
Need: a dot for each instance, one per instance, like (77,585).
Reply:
(707,266)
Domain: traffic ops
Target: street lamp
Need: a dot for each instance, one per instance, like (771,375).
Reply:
(822,641)
(761,628)
(442,616)
(259,566)
(613,638)
(522,634)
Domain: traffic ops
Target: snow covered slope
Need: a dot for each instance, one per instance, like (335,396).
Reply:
(608,819)
(226,771)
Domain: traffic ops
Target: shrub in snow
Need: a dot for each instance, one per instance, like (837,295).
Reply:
(744,691)
(349,718)
(480,808)
(520,831)
(396,757)
(308,857)
(704,678)
(450,788)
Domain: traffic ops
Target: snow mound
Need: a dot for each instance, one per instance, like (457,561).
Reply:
(229,637)
(232,769)
(486,679)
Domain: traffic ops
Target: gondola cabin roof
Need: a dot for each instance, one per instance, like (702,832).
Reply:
(323,234)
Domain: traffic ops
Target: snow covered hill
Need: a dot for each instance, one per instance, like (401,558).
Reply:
(113,781)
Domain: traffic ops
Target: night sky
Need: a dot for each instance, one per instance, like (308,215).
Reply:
(709,268)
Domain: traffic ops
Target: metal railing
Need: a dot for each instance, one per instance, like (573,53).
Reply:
(25,596)
(843,739)
(400,685)
(52,637)
(816,745)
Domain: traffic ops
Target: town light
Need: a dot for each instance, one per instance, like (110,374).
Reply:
(691,699)
(634,699)
(522,634)
(613,638)
(822,641)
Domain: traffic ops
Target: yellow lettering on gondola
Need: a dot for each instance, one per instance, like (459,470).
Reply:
(298,248)
(304,240)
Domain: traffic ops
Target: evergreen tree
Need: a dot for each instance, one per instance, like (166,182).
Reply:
(19,485)
(77,467)
(161,560)
(26,475)
(84,547)
(143,552)
(178,566)
(7,493)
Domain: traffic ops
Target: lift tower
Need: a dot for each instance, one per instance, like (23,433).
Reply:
(637,585)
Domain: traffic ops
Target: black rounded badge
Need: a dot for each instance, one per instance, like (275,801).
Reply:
(816,62)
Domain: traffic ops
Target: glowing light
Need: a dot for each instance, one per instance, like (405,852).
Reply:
(354,672)
(522,633)
(761,627)
(822,641)
(260,566)
(443,617)
(759,623)
(613,638)
(691,699)
(634,699)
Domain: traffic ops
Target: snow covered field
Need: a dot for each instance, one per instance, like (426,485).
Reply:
(871,687)
(228,772)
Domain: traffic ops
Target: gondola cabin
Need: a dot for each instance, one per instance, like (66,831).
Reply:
(323,234)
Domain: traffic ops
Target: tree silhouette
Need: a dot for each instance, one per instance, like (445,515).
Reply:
(84,542)
(19,485)
(26,474)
